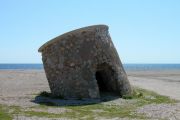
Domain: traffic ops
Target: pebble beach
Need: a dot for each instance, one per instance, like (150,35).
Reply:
(18,87)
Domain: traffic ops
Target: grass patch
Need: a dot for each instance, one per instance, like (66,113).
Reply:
(149,97)
(140,97)
(4,115)
(45,94)
(48,94)
(145,97)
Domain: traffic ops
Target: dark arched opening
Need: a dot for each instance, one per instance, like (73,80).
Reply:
(100,77)
(106,79)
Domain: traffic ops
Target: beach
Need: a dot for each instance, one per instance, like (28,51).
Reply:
(22,82)
(164,82)
(19,87)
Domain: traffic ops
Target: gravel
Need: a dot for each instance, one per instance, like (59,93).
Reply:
(20,87)
(161,111)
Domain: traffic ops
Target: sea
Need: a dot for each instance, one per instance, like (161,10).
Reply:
(128,67)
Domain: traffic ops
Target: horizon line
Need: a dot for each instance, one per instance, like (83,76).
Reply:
(122,63)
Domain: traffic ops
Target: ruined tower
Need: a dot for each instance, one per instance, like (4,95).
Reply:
(84,63)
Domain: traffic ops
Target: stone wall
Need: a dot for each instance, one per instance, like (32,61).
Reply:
(79,63)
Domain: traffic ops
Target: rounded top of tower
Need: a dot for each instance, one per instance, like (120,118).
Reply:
(83,29)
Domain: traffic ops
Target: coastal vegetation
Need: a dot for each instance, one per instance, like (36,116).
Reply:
(120,108)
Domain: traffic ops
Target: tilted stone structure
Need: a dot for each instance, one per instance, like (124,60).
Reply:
(84,63)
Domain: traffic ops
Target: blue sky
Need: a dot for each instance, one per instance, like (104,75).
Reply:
(143,31)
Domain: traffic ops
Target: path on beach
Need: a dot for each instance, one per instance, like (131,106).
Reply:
(163,82)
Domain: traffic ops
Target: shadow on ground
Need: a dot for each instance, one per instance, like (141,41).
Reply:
(47,99)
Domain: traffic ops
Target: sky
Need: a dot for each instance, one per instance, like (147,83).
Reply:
(143,31)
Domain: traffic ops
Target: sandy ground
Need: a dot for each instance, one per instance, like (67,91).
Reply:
(163,82)
(23,82)
(18,86)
